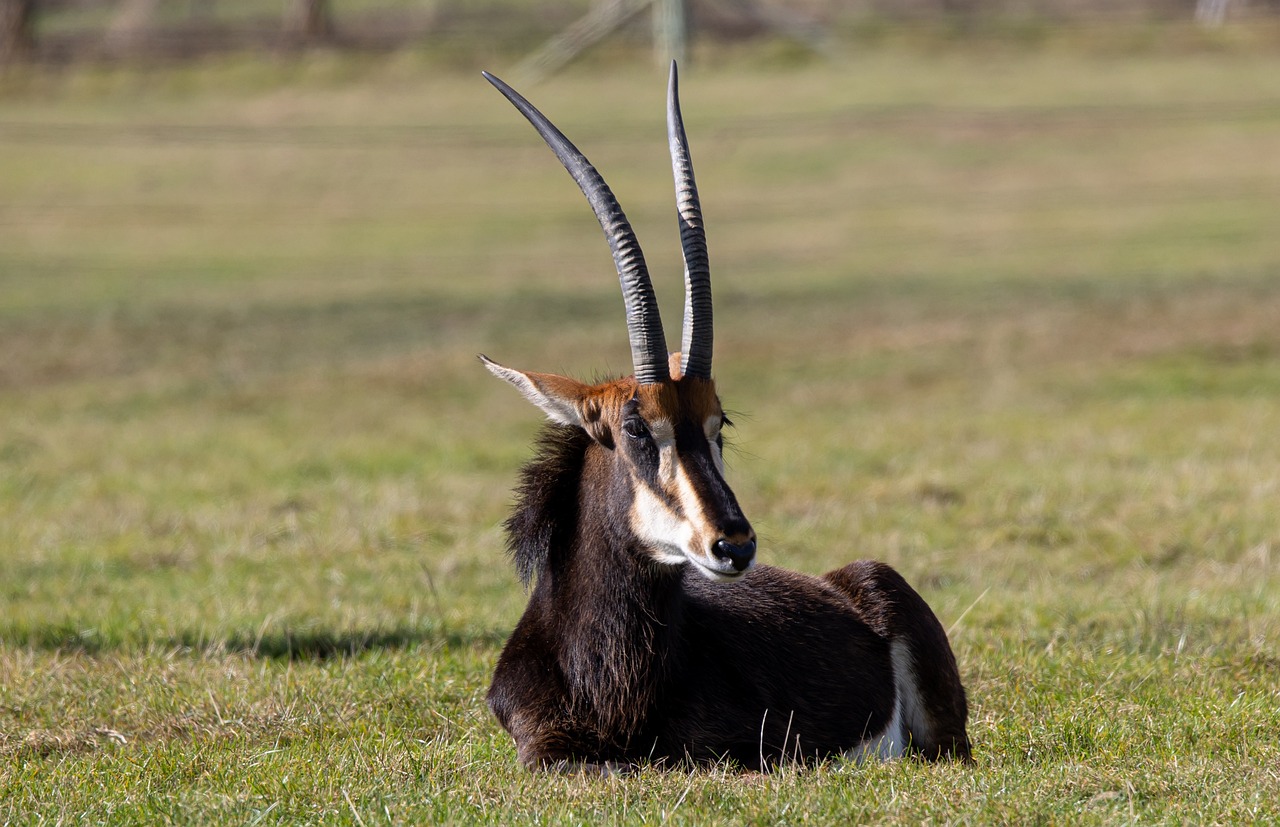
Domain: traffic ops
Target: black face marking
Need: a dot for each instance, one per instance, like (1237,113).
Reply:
(640,447)
(635,427)
(719,502)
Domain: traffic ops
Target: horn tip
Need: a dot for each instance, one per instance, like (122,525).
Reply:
(496,82)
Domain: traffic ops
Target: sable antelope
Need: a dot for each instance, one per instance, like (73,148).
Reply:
(650,633)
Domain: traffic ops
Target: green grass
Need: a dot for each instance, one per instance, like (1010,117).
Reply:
(1008,321)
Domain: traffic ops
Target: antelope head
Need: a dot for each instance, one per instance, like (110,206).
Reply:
(661,427)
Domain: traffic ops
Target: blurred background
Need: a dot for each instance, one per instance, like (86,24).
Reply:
(54,31)
(1011,269)
(997,302)
(1001,263)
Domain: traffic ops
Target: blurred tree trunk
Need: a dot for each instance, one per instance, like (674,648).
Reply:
(670,31)
(962,14)
(1211,13)
(131,25)
(17,29)
(309,21)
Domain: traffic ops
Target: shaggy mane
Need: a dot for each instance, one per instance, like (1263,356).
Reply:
(546,507)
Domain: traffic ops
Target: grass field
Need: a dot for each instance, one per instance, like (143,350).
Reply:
(1007,320)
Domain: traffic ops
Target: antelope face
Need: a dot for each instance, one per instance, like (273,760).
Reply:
(665,448)
(681,507)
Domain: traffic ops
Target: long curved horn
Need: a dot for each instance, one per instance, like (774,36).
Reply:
(695,340)
(644,325)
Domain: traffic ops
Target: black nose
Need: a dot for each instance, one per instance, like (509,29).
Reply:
(739,556)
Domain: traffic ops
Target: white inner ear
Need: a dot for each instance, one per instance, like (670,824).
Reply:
(557,409)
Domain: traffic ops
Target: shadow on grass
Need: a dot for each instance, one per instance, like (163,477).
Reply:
(283,644)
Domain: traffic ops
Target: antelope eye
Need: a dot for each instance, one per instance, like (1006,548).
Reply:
(635,428)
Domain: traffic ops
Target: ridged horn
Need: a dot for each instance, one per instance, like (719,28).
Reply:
(696,338)
(644,325)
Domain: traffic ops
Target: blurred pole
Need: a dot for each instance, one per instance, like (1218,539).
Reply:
(605,17)
(129,28)
(670,31)
(1211,13)
(309,21)
(17,29)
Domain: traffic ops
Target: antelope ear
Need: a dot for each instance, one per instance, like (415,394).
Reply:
(559,397)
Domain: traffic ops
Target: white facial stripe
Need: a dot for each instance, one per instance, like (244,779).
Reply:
(717,459)
(711,427)
(664,436)
(667,534)
(674,537)
(692,505)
